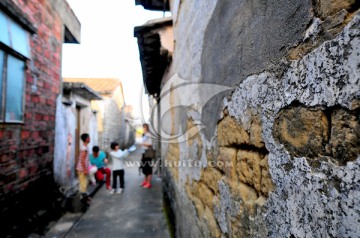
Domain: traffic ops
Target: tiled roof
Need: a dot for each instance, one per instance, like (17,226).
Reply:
(100,85)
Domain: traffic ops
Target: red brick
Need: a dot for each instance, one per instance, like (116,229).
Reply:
(28,115)
(40,83)
(4,158)
(46,57)
(47,54)
(38,117)
(22,173)
(25,134)
(55,89)
(13,147)
(42,100)
(30,153)
(33,169)
(10,166)
(47,85)
(22,155)
(9,134)
(35,135)
(35,98)
(50,102)
(29,79)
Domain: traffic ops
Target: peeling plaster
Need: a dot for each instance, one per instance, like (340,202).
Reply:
(227,207)
(307,203)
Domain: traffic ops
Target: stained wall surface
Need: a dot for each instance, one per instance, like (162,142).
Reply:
(276,155)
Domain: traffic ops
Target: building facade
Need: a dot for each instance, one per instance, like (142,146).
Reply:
(74,116)
(112,112)
(31,37)
(261,108)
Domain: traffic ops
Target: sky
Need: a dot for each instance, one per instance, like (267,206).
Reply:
(108,48)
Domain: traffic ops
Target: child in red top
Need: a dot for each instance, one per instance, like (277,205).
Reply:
(83,164)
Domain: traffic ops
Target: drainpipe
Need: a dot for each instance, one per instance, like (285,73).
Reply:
(158,153)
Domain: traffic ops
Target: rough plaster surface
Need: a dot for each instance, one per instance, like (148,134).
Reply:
(239,32)
(189,32)
(238,42)
(308,202)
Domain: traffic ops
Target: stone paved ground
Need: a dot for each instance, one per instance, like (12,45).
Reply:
(137,212)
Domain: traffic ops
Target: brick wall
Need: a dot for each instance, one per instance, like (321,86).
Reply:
(26,150)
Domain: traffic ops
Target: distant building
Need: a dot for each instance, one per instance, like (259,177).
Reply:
(156,46)
(31,38)
(112,112)
(74,116)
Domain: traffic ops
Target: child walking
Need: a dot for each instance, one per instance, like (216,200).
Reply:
(117,155)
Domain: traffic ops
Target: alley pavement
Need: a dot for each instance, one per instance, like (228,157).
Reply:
(137,212)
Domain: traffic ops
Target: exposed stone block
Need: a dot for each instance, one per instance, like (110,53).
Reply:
(332,22)
(190,191)
(206,195)
(303,131)
(355,104)
(330,7)
(199,206)
(306,132)
(211,176)
(256,133)
(248,168)
(345,135)
(267,184)
(260,201)
(230,133)
(212,224)
(227,158)
(247,193)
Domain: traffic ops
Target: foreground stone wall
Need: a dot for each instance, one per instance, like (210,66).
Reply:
(279,156)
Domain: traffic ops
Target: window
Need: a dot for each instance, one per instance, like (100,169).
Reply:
(14,51)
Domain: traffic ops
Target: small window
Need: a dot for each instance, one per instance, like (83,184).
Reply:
(14,51)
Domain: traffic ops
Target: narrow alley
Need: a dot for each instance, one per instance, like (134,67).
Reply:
(137,212)
(251,109)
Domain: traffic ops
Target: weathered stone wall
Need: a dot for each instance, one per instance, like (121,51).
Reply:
(280,153)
